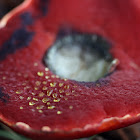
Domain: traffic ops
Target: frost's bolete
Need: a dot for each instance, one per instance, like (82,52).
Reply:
(70,68)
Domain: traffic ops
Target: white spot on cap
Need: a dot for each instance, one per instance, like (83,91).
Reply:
(46,129)
(23,126)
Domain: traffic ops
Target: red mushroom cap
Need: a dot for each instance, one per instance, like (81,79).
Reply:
(39,104)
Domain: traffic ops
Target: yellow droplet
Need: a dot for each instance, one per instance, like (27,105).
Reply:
(61,91)
(40,111)
(56,89)
(35,99)
(66,98)
(56,100)
(40,107)
(47,77)
(44,82)
(23,84)
(61,96)
(46,69)
(29,98)
(51,107)
(53,76)
(35,64)
(61,84)
(3,77)
(41,94)
(48,103)
(52,84)
(40,73)
(55,95)
(31,103)
(65,79)
(21,107)
(67,86)
(33,93)
(27,87)
(18,92)
(57,76)
(67,94)
(21,97)
(45,100)
(36,88)
(38,83)
(59,112)
(49,92)
(44,88)
(71,107)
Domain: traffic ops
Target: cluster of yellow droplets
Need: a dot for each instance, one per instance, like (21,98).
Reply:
(47,93)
